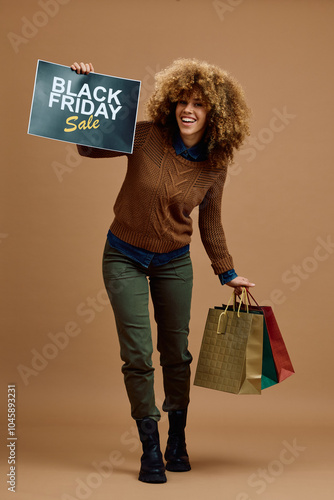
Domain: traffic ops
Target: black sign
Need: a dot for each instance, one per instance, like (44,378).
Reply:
(92,110)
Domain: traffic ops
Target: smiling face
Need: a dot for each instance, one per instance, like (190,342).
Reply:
(191,116)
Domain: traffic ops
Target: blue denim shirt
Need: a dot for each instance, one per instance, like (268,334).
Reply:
(195,153)
(145,257)
(142,256)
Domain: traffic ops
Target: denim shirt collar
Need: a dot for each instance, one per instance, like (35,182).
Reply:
(195,153)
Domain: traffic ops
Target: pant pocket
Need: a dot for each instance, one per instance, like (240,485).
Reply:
(114,263)
(183,267)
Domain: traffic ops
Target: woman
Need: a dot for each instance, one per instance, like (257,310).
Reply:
(198,116)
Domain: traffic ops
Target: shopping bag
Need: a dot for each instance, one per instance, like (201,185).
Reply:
(283,364)
(269,375)
(230,357)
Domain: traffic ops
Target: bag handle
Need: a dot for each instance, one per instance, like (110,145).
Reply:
(222,316)
(250,295)
(243,299)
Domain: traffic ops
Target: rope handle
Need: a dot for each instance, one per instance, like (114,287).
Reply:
(243,299)
(250,295)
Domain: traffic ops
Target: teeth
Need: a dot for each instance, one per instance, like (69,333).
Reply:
(188,120)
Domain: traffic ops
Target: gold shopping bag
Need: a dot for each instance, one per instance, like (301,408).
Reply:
(230,357)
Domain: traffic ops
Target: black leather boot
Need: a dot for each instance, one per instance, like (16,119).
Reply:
(176,452)
(152,467)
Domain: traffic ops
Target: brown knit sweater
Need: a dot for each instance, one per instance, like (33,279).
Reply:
(159,192)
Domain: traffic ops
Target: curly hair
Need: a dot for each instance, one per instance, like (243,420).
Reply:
(228,115)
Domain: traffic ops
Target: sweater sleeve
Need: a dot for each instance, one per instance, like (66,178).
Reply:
(141,133)
(91,152)
(211,229)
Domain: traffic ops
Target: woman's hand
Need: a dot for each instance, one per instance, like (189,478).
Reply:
(239,282)
(82,68)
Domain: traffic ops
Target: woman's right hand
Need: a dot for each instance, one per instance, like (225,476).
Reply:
(82,68)
(239,282)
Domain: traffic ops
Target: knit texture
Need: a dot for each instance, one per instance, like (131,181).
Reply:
(159,192)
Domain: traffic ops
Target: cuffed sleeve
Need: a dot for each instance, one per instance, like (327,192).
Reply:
(227,276)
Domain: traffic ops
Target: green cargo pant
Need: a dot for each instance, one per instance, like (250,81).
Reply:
(127,283)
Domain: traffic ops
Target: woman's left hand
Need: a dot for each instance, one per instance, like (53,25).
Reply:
(239,282)
(82,68)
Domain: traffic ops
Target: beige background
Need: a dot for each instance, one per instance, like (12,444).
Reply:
(278,217)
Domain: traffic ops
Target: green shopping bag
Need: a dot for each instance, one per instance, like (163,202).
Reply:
(269,374)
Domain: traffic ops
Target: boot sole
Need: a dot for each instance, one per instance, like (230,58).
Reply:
(177,467)
(152,478)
